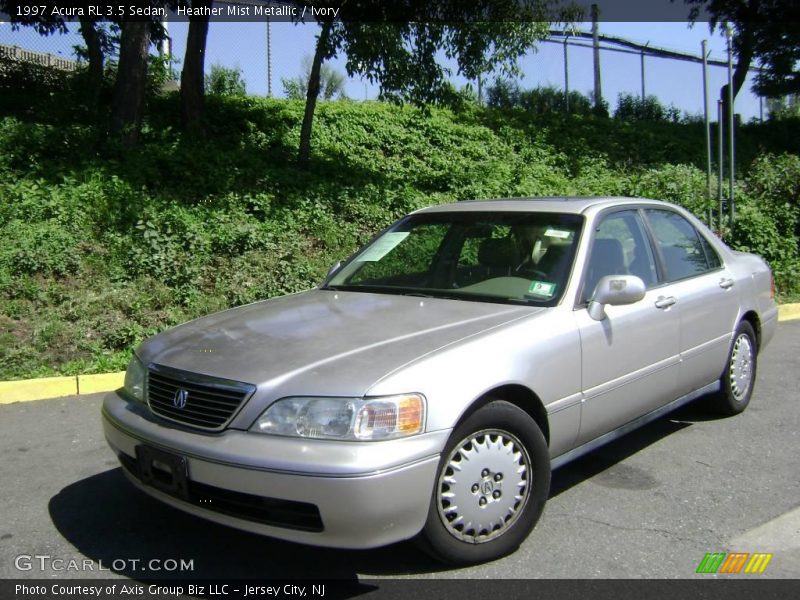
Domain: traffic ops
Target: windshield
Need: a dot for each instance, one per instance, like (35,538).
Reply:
(513,257)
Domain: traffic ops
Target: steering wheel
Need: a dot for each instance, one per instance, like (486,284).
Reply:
(528,269)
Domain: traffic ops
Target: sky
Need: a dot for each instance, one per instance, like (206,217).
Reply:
(243,45)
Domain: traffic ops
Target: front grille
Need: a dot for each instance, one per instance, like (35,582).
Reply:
(258,509)
(193,399)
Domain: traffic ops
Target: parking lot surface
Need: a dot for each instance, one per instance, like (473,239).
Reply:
(649,505)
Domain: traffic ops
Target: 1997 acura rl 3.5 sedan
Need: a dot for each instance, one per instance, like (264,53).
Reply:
(427,388)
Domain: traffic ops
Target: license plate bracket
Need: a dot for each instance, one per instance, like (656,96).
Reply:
(164,471)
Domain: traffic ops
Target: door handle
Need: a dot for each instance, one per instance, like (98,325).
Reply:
(726,283)
(665,301)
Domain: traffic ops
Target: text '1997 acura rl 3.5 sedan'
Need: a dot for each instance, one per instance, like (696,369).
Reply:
(429,386)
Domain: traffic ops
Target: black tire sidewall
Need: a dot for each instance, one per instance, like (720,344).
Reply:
(502,415)
(728,403)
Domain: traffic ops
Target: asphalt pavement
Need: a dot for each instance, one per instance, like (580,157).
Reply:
(649,505)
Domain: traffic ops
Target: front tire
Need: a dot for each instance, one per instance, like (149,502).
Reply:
(739,377)
(491,486)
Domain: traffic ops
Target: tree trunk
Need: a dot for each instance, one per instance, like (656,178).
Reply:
(95,53)
(129,89)
(192,92)
(743,58)
(313,93)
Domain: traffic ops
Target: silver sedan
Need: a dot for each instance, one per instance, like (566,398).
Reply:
(429,386)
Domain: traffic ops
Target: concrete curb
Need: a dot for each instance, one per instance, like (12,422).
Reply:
(55,387)
(788,312)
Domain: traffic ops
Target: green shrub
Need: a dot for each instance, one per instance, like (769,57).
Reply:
(774,184)
(104,247)
(636,108)
(539,101)
(225,81)
(45,247)
(684,185)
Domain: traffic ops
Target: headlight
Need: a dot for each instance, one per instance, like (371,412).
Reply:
(135,378)
(344,418)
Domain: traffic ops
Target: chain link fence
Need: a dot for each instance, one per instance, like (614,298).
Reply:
(266,53)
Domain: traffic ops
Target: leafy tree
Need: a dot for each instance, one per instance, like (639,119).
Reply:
(331,82)
(127,108)
(192,75)
(765,31)
(634,108)
(99,39)
(223,81)
(784,108)
(539,101)
(505,93)
(400,52)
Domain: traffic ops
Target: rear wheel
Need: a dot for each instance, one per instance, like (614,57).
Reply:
(492,483)
(739,376)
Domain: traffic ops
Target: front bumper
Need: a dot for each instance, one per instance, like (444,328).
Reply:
(367,494)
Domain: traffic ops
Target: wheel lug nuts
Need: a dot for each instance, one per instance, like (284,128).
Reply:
(485,473)
(496,494)
(475,488)
(498,477)
(482,501)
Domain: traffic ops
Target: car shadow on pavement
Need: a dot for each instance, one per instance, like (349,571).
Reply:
(605,460)
(106,519)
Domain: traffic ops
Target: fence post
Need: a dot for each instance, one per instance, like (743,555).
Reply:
(269,59)
(731,148)
(721,159)
(641,58)
(704,51)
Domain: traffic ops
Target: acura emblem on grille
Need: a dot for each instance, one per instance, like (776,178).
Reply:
(180,398)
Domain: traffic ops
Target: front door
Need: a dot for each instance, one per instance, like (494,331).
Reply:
(630,359)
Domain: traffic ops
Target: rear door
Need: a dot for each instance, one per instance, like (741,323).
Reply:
(705,294)
(630,360)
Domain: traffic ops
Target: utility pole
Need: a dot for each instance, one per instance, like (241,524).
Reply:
(598,88)
(704,50)
(720,161)
(566,74)
(165,45)
(269,59)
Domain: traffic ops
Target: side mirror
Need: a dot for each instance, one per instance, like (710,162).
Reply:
(614,290)
(334,268)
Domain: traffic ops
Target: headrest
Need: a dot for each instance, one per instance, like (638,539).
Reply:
(501,252)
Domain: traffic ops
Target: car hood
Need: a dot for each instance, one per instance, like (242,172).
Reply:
(321,341)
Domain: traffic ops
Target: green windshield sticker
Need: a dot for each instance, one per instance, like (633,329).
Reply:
(543,289)
(382,246)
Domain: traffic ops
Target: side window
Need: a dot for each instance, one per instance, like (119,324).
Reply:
(681,246)
(712,257)
(620,247)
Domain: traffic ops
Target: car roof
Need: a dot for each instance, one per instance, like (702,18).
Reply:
(554,204)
